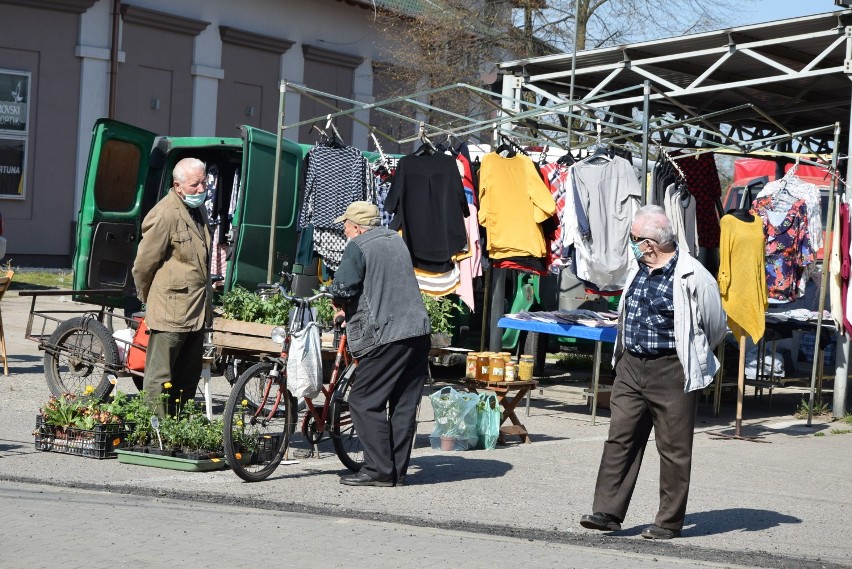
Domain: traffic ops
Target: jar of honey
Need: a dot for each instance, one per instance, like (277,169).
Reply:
(496,368)
(507,356)
(470,365)
(482,362)
(525,368)
(509,372)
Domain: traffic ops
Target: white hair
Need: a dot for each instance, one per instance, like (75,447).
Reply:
(655,224)
(185,166)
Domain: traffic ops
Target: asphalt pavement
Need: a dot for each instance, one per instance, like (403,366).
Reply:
(779,500)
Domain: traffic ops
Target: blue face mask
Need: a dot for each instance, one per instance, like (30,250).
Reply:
(636,252)
(195,200)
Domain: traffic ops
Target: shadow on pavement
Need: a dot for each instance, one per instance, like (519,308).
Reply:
(734,519)
(452,467)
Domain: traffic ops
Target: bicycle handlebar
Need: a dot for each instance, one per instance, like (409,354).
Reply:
(303,299)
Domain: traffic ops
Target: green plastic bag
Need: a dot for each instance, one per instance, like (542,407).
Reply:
(489,416)
(456,416)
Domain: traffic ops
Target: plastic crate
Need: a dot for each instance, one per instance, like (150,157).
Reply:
(99,442)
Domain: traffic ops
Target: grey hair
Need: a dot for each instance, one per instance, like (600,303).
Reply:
(655,224)
(182,168)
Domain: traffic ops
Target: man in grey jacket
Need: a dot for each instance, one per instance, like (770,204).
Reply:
(387,330)
(670,320)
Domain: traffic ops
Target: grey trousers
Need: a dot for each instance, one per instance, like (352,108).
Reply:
(173,357)
(648,392)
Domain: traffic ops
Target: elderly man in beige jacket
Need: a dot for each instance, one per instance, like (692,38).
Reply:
(172,275)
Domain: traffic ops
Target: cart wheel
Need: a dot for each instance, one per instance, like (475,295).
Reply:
(78,355)
(233,368)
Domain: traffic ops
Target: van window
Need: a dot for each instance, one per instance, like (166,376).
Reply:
(116,181)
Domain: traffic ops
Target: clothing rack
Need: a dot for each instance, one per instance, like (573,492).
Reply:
(512,114)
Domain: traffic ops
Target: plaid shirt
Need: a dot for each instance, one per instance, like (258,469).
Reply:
(649,317)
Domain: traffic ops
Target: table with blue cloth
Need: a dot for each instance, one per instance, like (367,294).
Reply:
(598,334)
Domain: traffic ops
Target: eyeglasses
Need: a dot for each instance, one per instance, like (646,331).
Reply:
(636,239)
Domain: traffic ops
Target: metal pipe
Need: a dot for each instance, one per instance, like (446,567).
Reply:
(113,59)
(646,109)
(573,66)
(282,88)
(826,273)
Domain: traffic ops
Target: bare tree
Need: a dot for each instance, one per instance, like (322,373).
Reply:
(442,42)
(614,22)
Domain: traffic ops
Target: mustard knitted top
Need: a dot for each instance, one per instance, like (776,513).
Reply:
(513,201)
(742,275)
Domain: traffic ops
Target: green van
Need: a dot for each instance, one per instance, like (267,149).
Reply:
(129,170)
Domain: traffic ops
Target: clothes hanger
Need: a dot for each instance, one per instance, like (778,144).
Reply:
(337,140)
(506,148)
(381,166)
(427,148)
(324,138)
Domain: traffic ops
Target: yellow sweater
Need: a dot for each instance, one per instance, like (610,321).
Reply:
(742,275)
(513,200)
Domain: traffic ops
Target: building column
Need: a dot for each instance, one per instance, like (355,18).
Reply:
(362,91)
(292,71)
(206,73)
(94,50)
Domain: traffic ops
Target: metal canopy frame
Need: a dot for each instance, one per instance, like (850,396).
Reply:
(789,72)
(763,86)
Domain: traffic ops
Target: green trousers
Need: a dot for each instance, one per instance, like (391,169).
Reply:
(172,357)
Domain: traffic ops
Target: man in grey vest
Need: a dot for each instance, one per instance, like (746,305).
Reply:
(387,330)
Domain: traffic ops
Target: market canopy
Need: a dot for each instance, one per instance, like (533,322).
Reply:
(758,81)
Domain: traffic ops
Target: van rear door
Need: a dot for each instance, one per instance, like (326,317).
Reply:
(252,217)
(108,224)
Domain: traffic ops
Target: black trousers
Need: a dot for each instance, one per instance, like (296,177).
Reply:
(648,392)
(386,388)
(176,358)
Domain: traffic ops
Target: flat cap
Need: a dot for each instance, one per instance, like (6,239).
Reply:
(360,213)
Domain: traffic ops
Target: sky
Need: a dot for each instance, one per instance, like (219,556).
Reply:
(766,10)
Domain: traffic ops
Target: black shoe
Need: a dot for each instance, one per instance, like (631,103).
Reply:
(600,521)
(363,479)
(400,481)
(656,532)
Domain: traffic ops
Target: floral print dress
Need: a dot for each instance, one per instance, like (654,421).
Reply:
(788,246)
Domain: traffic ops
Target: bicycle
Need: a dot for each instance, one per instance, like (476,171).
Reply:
(261,414)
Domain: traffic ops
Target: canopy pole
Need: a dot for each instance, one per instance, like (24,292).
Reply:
(826,273)
(646,121)
(282,88)
(573,74)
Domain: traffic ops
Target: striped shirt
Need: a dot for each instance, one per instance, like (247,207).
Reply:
(649,316)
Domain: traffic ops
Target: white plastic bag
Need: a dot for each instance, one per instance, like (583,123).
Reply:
(123,339)
(304,362)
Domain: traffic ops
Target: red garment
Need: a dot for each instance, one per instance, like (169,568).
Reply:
(702,180)
(845,239)
(507,264)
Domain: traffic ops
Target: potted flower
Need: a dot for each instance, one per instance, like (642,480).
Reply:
(440,310)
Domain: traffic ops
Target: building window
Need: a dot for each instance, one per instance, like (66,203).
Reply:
(14,132)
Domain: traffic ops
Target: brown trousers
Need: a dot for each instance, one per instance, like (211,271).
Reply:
(648,392)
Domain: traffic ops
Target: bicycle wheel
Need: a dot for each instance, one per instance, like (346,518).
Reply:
(255,442)
(344,438)
(80,352)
